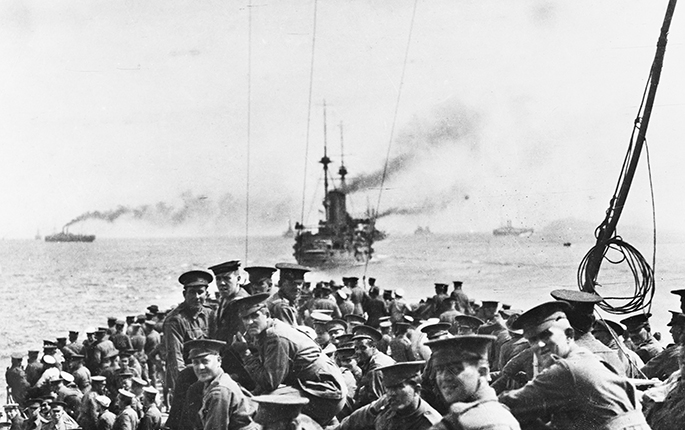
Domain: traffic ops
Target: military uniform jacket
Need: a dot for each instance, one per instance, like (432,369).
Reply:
(224,406)
(649,349)
(663,365)
(82,378)
(88,413)
(225,321)
(33,371)
(282,309)
(486,413)
(152,419)
(126,420)
(370,386)
(400,350)
(287,356)
(16,380)
(357,295)
(180,326)
(379,416)
(106,420)
(580,392)
(102,349)
(603,352)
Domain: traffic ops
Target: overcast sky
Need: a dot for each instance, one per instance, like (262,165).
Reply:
(515,110)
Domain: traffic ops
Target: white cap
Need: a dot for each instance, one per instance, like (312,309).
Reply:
(104,401)
(49,359)
(399,292)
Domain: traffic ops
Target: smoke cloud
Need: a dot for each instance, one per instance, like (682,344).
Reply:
(195,214)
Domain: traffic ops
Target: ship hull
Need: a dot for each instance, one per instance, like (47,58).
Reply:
(519,232)
(313,250)
(61,237)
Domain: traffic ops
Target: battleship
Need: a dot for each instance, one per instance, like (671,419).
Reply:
(338,239)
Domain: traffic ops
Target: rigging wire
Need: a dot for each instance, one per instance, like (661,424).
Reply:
(643,273)
(249,124)
(394,123)
(309,115)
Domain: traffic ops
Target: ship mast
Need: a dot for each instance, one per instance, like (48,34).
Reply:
(325,161)
(342,171)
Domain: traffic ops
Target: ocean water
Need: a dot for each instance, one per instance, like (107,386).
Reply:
(47,289)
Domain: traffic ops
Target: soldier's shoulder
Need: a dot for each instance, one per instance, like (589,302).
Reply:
(483,415)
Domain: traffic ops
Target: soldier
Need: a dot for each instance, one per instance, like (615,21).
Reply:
(354,320)
(401,407)
(336,328)
(342,299)
(581,316)
(59,419)
(462,374)
(284,355)
(370,386)
(610,333)
(260,279)
(74,346)
(461,299)
(640,334)
(81,373)
(119,338)
(89,411)
(127,418)
(106,417)
(283,412)
(101,348)
(663,365)
(225,322)
(576,389)
(152,418)
(16,378)
(34,367)
(34,420)
(190,320)
(375,307)
(223,404)
(681,294)
(450,312)
(15,419)
(152,341)
(437,299)
(283,304)
(51,372)
(398,307)
(357,294)
(324,301)
(400,345)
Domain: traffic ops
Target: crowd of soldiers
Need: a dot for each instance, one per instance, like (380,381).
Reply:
(352,356)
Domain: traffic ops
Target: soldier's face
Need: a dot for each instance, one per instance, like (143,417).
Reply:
(57,412)
(255,322)
(263,286)
(207,368)
(227,283)
(677,332)
(291,289)
(458,381)
(603,336)
(363,350)
(639,336)
(194,296)
(401,396)
(552,340)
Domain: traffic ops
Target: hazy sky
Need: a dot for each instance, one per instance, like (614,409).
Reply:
(515,110)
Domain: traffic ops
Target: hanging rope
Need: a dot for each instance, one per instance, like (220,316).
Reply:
(309,116)
(249,125)
(394,121)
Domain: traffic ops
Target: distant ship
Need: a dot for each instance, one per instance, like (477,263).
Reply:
(423,231)
(508,230)
(38,236)
(289,233)
(65,236)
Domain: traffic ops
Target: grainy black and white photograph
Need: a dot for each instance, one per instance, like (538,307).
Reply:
(341,215)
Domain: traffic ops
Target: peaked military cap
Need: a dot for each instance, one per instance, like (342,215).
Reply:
(402,324)
(385,324)
(33,352)
(320,318)
(258,273)
(345,352)
(61,338)
(150,390)
(67,377)
(73,332)
(460,348)
(126,393)
(126,374)
(291,272)
(352,318)
(491,303)
(345,339)
(58,403)
(676,318)
(17,356)
(104,401)
(605,325)
(336,324)
(398,373)
(249,304)
(678,292)
(580,301)
(76,357)
(636,322)
(468,321)
(34,401)
(441,286)
(435,330)
(98,378)
(228,266)
(195,278)
(111,319)
(153,309)
(275,408)
(113,353)
(541,317)
(201,347)
(49,359)
(120,322)
(366,332)
(139,381)
(457,284)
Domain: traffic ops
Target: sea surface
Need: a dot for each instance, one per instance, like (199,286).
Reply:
(47,289)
